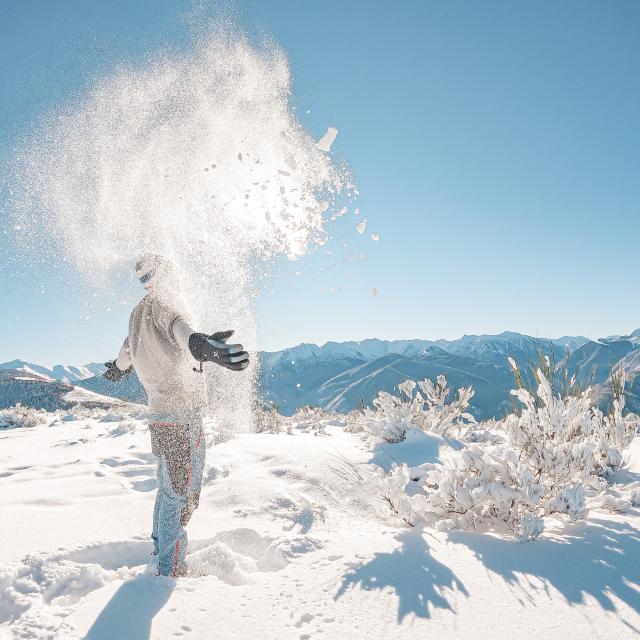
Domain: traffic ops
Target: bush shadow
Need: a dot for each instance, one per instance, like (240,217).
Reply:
(420,582)
(600,559)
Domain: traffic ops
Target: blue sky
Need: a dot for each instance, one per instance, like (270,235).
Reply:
(496,147)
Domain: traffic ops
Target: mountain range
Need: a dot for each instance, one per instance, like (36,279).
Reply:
(341,375)
(60,372)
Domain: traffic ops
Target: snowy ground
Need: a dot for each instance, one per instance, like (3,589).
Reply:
(290,541)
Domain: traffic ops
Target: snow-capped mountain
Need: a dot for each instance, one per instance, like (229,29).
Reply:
(593,361)
(570,342)
(60,372)
(630,366)
(347,351)
(496,349)
(340,375)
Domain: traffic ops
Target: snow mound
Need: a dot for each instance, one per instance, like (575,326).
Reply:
(235,554)
(219,560)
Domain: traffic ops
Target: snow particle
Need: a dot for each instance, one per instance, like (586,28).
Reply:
(324,144)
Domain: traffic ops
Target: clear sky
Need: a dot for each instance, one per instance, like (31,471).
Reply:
(496,146)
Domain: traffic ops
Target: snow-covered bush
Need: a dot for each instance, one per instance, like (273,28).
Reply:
(548,459)
(569,435)
(116,413)
(20,416)
(617,500)
(353,421)
(306,413)
(392,415)
(423,405)
(123,427)
(267,419)
(312,419)
(393,490)
(439,416)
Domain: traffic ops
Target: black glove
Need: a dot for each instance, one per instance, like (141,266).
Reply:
(213,348)
(113,373)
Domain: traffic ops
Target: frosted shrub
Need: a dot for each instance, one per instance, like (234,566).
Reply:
(123,427)
(267,419)
(437,415)
(353,421)
(310,419)
(562,437)
(551,457)
(393,490)
(307,413)
(393,415)
(482,484)
(613,433)
(20,416)
(423,405)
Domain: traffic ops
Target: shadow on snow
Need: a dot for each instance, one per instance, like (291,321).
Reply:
(417,448)
(418,579)
(129,613)
(600,559)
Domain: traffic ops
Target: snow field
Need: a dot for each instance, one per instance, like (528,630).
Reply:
(291,540)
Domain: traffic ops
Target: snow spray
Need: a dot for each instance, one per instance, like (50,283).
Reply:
(199,158)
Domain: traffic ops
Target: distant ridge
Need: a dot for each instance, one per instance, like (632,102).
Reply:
(62,373)
(340,375)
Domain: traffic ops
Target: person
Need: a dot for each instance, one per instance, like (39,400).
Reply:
(161,346)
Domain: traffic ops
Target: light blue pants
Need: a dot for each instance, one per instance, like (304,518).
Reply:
(181,449)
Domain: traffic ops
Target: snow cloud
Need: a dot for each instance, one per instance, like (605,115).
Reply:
(197,157)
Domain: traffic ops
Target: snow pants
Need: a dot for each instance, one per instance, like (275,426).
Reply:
(180,447)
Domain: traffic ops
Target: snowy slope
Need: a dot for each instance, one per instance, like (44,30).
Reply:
(595,360)
(492,383)
(128,389)
(630,367)
(291,541)
(40,392)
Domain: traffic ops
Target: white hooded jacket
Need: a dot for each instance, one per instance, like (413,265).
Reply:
(158,348)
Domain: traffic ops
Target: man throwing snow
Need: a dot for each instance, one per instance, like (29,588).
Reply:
(162,347)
